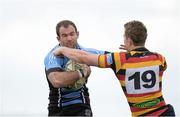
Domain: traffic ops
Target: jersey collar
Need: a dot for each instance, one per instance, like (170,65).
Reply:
(140,49)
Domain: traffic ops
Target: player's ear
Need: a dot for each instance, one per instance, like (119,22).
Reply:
(77,33)
(130,41)
(58,38)
(127,40)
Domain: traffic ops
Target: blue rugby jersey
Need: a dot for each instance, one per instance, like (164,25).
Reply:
(61,97)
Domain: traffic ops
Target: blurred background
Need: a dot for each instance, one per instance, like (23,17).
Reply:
(27,33)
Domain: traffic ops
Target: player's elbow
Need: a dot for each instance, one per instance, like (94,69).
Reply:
(56,83)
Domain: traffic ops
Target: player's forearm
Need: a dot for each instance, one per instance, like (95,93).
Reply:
(63,79)
(73,54)
(79,56)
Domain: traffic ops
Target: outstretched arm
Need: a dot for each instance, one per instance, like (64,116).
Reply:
(79,56)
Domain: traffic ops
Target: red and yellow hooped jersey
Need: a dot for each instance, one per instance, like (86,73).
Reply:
(140,75)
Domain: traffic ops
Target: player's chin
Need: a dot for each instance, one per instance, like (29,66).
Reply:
(70,45)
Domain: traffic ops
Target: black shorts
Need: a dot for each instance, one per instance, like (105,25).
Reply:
(169,112)
(72,110)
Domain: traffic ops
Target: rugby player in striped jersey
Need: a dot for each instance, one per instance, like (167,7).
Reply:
(138,70)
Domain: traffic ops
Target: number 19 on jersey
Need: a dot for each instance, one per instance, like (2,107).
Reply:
(142,80)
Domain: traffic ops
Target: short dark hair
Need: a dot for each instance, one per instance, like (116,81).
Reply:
(137,31)
(64,23)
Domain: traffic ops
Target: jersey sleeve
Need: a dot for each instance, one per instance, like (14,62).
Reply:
(163,60)
(106,60)
(94,51)
(53,63)
(111,60)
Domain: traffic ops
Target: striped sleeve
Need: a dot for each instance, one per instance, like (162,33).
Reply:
(109,60)
(105,60)
(163,61)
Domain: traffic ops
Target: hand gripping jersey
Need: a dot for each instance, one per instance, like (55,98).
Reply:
(61,97)
(140,75)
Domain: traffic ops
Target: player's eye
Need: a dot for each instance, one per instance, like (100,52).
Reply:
(72,34)
(64,35)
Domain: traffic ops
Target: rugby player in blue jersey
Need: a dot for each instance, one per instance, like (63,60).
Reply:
(64,100)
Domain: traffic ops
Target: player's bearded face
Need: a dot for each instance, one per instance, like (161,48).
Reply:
(68,36)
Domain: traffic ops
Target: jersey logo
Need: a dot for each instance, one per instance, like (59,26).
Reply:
(142,80)
(109,59)
(52,60)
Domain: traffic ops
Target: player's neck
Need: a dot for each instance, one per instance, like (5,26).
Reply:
(135,47)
